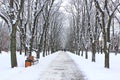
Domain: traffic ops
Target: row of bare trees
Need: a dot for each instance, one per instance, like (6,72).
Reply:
(4,37)
(91,20)
(34,25)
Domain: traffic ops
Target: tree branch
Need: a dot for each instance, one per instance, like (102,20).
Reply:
(98,6)
(5,19)
(115,10)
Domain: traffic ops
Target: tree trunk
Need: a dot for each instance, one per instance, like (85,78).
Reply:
(13,47)
(0,46)
(107,45)
(106,51)
(20,44)
(82,52)
(86,53)
(93,52)
(79,52)
(13,37)
(106,59)
(44,50)
(40,45)
(101,50)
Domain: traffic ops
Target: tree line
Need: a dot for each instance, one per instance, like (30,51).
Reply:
(37,25)
(32,25)
(91,20)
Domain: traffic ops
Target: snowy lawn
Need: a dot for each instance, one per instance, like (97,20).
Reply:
(20,72)
(92,71)
(96,71)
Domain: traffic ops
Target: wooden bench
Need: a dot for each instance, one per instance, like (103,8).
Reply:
(31,61)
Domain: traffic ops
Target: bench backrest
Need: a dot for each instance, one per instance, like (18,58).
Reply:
(31,58)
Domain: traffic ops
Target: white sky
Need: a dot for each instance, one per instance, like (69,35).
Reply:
(64,4)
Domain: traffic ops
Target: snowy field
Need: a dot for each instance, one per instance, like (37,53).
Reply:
(93,71)
(96,71)
(20,72)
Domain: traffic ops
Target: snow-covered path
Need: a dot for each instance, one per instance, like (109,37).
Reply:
(62,68)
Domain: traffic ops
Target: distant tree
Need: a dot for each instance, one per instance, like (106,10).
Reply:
(4,37)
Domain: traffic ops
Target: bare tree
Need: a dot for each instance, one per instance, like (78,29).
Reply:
(106,17)
(12,16)
(4,37)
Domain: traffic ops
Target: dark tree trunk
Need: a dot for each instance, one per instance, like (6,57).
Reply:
(101,51)
(106,59)
(0,48)
(86,53)
(52,50)
(20,44)
(13,47)
(13,37)
(79,52)
(106,31)
(93,52)
(44,49)
(40,44)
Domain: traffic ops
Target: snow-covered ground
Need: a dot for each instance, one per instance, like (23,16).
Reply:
(96,70)
(93,71)
(20,72)
(62,68)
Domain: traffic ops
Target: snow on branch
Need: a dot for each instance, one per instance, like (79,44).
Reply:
(98,6)
(38,13)
(115,10)
(6,18)
(17,4)
(115,5)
